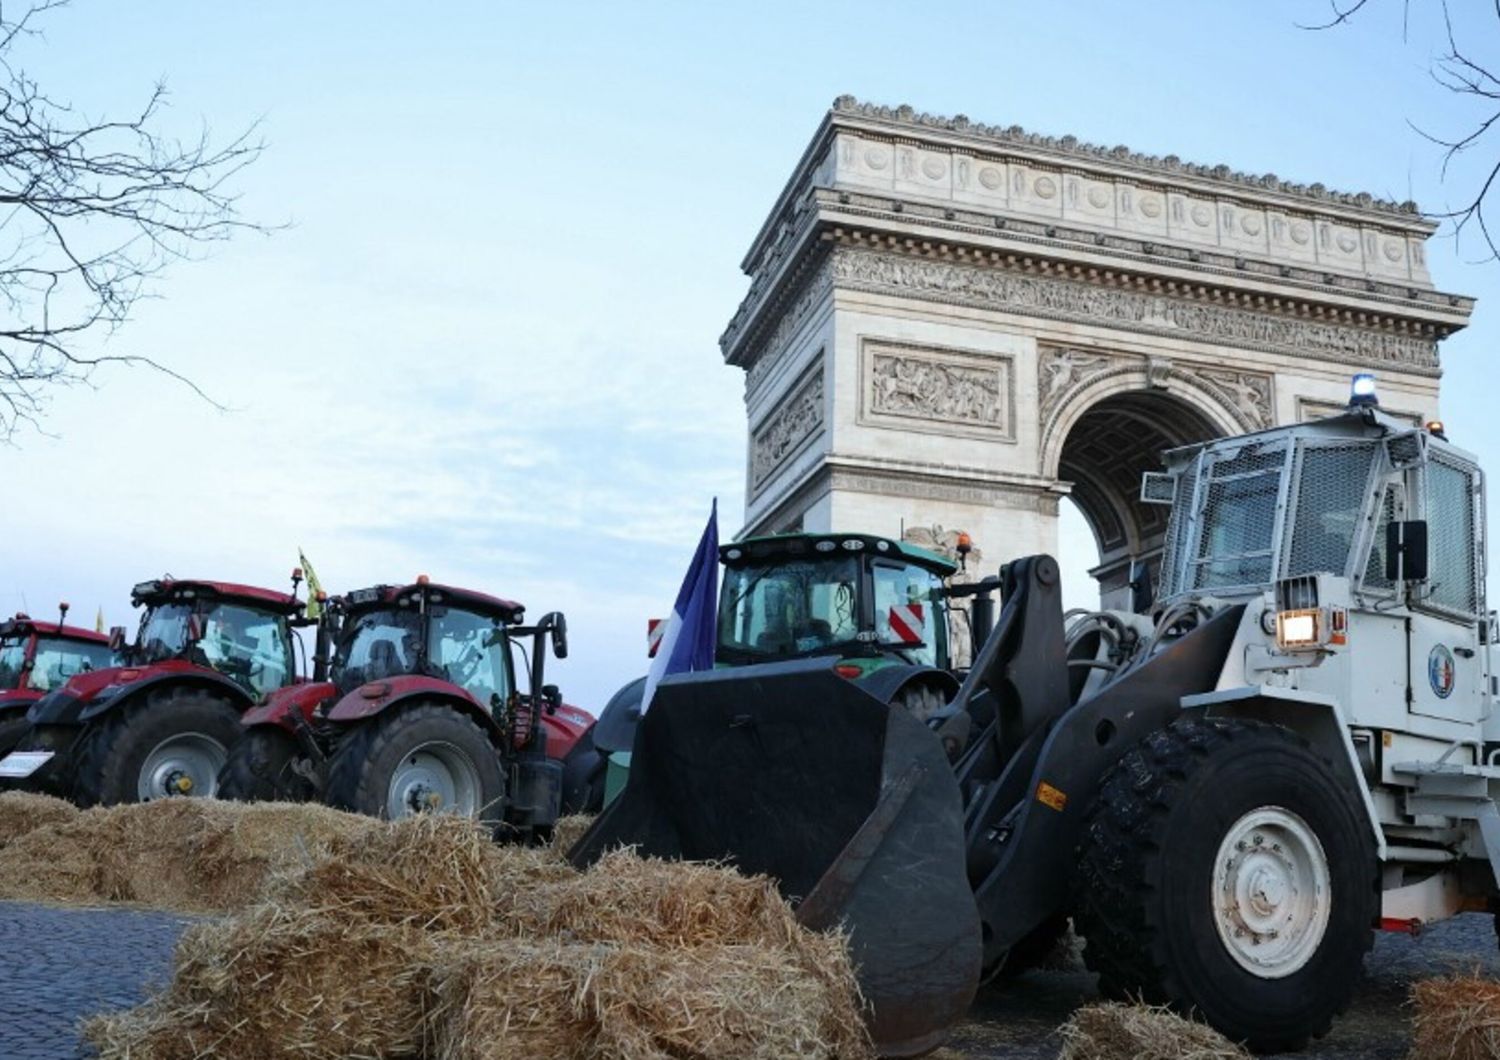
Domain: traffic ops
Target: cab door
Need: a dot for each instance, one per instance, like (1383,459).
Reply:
(1446,669)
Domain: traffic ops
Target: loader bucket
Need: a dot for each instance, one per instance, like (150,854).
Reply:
(849,804)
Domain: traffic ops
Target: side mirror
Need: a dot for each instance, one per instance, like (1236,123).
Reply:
(116,638)
(557,625)
(1406,551)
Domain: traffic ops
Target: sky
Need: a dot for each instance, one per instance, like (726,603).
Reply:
(482,342)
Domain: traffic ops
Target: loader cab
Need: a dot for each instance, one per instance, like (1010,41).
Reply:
(455,635)
(855,595)
(1363,536)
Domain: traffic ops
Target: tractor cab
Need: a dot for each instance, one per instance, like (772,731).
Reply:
(455,635)
(240,631)
(870,599)
(36,657)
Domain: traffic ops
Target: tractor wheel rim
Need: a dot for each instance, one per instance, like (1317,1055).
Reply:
(186,764)
(433,778)
(1271,892)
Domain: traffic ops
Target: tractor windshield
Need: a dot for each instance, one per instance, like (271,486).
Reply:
(377,645)
(247,645)
(782,609)
(58,659)
(469,650)
(907,613)
(12,660)
(164,631)
(250,646)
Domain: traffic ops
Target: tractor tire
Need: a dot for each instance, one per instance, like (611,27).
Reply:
(172,744)
(260,769)
(13,729)
(1227,872)
(424,758)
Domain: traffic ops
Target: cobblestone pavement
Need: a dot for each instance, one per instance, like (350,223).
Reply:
(59,965)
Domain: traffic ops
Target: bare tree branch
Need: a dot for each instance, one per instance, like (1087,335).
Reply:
(92,210)
(1462,73)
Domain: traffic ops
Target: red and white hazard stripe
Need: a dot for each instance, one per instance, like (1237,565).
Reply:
(655,627)
(906,623)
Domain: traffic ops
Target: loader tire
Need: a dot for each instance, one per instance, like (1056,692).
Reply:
(1227,871)
(424,758)
(171,744)
(260,769)
(921,701)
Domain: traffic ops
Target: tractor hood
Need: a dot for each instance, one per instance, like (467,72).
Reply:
(96,688)
(279,707)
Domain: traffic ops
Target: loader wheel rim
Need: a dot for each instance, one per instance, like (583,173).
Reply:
(184,764)
(433,777)
(1271,892)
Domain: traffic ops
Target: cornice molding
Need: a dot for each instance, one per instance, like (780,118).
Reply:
(1014,136)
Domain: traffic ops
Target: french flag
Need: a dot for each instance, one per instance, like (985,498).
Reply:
(687,643)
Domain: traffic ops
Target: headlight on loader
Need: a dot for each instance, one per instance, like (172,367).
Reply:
(1299,629)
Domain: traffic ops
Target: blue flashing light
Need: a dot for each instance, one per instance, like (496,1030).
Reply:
(1362,391)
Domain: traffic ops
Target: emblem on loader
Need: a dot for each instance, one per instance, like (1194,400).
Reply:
(1440,671)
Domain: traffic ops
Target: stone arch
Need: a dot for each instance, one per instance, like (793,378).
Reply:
(1104,434)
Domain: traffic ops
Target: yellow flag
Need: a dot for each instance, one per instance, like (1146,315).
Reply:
(314,587)
(99,621)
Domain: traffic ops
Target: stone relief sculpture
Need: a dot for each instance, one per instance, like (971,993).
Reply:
(798,417)
(932,390)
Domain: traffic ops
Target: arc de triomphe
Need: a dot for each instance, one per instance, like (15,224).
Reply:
(952,323)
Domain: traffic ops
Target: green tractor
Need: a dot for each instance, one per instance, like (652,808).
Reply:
(879,605)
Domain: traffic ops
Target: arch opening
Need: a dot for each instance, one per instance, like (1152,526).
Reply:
(1103,456)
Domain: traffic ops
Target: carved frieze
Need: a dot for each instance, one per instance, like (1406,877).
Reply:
(791,424)
(929,388)
(1049,296)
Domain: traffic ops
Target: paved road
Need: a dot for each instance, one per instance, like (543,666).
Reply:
(58,965)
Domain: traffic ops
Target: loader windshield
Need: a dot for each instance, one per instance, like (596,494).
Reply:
(781,609)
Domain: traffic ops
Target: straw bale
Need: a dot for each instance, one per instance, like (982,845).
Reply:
(635,1002)
(568,830)
(23,811)
(1457,1018)
(187,855)
(1114,1031)
(276,983)
(436,872)
(625,898)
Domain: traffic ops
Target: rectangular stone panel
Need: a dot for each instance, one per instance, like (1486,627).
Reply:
(787,428)
(936,390)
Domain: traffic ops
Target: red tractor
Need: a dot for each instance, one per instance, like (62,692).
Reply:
(422,712)
(160,722)
(35,658)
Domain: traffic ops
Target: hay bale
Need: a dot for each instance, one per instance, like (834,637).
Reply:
(438,873)
(22,812)
(276,983)
(1114,1031)
(635,1002)
(1457,1018)
(625,898)
(185,855)
(568,830)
